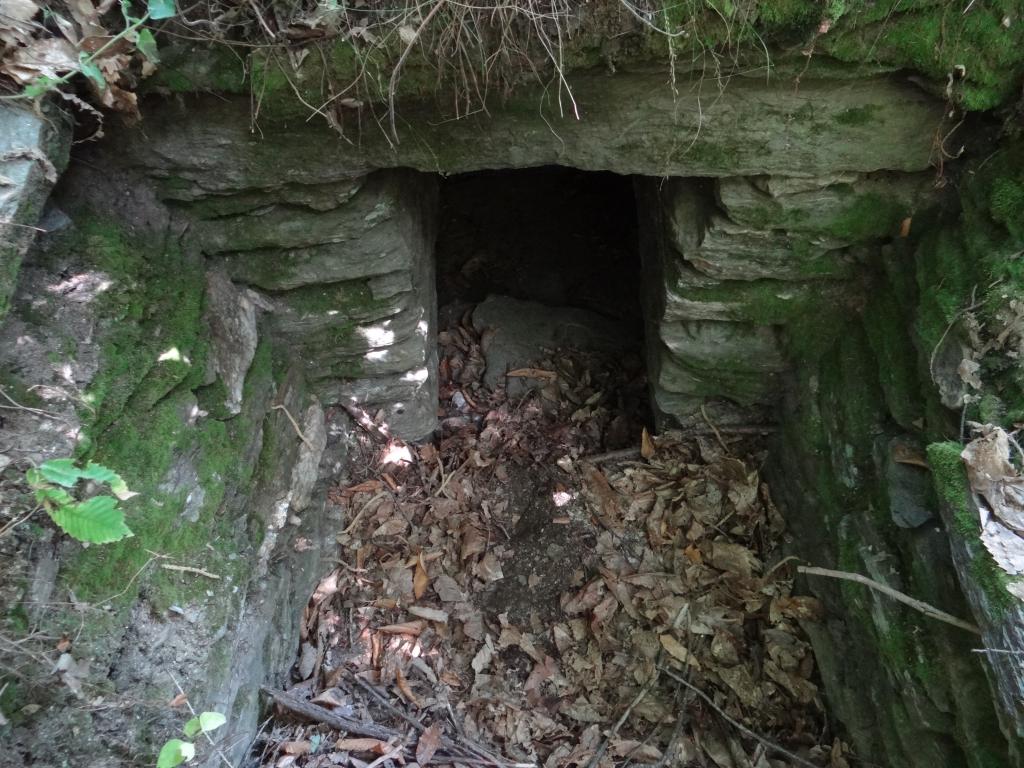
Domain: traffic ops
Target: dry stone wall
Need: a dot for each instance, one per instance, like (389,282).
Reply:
(291,267)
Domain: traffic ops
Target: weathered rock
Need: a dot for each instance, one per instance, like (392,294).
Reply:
(848,206)
(631,122)
(738,361)
(33,151)
(908,484)
(522,332)
(718,248)
(231,316)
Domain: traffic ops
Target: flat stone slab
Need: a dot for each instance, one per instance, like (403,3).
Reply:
(521,332)
(630,122)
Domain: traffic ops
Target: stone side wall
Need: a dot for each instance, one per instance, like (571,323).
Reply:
(803,302)
(345,271)
(129,348)
(731,263)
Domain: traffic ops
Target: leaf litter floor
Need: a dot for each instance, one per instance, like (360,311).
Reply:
(544,584)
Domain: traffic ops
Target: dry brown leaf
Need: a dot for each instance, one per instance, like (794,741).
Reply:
(420,580)
(406,628)
(367,486)
(800,607)
(735,558)
(542,671)
(473,542)
(404,689)
(678,651)
(448,589)
(428,743)
(430,614)
(533,373)
(48,57)
(362,745)
(393,527)
(647,449)
(297,747)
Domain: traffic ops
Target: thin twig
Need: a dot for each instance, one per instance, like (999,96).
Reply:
(298,429)
(393,82)
(738,725)
(621,721)
(366,506)
(362,418)
(203,731)
(189,569)
(16,406)
(928,610)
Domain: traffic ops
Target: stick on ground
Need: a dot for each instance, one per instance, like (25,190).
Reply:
(928,610)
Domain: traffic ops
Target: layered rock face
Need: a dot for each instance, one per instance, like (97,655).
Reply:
(345,271)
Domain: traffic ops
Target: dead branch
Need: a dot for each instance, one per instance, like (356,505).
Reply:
(189,569)
(363,419)
(592,763)
(320,714)
(928,610)
(295,424)
(736,724)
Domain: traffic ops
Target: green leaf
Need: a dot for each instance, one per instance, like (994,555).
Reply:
(146,44)
(97,520)
(61,471)
(206,722)
(38,87)
(57,496)
(100,474)
(175,752)
(161,9)
(90,70)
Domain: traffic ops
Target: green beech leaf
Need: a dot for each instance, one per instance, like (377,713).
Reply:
(38,87)
(146,44)
(57,496)
(205,722)
(175,752)
(91,70)
(97,520)
(100,474)
(61,471)
(161,9)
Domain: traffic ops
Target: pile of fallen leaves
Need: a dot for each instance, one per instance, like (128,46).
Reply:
(107,46)
(512,595)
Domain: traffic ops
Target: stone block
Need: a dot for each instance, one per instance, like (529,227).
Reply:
(33,151)
(847,206)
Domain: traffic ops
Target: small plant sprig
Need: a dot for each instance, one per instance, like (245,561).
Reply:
(178,751)
(97,520)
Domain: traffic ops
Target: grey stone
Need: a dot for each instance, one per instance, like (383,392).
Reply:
(523,331)
(231,317)
(631,122)
(834,203)
(908,485)
(737,361)
(33,151)
(368,234)
(719,248)
(306,468)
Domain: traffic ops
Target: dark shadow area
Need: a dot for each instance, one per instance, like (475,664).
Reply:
(558,236)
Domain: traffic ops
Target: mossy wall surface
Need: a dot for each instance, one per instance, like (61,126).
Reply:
(882,377)
(167,603)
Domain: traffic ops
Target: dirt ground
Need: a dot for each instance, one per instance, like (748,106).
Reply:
(547,584)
